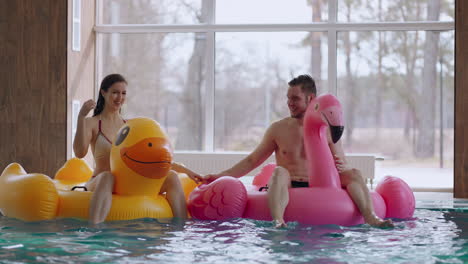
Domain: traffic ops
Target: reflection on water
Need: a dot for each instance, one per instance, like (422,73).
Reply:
(432,237)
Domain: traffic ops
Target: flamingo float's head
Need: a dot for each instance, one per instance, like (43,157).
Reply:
(326,110)
(140,155)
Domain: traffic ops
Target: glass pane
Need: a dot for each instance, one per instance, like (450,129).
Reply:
(165,74)
(252,72)
(395,11)
(153,11)
(267,11)
(397,90)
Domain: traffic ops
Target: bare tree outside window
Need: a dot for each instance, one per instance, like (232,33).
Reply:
(192,127)
(251,82)
(164,70)
(391,82)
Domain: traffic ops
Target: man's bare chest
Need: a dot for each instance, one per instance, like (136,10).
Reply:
(291,145)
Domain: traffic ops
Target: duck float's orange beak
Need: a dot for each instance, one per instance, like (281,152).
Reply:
(150,157)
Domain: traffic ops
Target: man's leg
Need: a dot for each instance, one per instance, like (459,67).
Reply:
(278,196)
(101,200)
(175,195)
(357,189)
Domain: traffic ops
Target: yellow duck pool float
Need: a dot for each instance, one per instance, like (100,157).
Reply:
(141,158)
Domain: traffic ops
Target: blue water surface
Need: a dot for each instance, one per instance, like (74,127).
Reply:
(433,236)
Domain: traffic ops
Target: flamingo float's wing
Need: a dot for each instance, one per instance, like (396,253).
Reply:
(222,199)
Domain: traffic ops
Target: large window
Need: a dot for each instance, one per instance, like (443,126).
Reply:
(252,72)
(215,73)
(157,66)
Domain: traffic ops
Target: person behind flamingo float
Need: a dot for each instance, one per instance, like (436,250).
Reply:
(285,138)
(99,131)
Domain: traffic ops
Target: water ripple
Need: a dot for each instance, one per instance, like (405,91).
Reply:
(430,237)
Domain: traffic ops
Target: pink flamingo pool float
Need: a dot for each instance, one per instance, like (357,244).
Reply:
(324,202)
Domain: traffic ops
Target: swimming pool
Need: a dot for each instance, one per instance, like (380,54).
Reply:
(434,236)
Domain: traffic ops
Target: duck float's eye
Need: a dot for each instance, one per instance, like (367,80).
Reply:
(316,107)
(122,135)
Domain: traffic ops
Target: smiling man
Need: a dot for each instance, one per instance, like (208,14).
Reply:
(285,139)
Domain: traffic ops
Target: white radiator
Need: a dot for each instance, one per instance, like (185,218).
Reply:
(206,163)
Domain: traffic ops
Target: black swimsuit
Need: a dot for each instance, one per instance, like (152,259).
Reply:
(294,184)
(299,184)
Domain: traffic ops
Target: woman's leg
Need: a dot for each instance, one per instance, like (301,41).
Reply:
(175,195)
(278,196)
(101,200)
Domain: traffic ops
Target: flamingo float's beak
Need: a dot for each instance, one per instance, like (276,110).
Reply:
(334,117)
(336,132)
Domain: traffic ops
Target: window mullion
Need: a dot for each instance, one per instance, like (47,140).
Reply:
(325,26)
(97,42)
(332,11)
(332,46)
(210,81)
(332,62)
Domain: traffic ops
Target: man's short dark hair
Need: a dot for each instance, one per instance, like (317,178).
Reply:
(306,82)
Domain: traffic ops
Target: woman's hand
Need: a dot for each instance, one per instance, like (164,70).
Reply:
(195,177)
(87,107)
(210,177)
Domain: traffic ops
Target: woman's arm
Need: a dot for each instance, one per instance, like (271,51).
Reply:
(182,169)
(84,130)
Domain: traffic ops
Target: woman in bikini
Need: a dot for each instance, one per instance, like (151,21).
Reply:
(99,131)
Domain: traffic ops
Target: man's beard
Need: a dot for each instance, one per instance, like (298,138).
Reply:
(299,115)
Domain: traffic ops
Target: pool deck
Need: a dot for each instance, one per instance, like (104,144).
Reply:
(439,200)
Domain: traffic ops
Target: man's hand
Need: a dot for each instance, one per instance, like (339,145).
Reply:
(341,166)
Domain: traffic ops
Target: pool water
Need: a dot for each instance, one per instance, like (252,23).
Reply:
(433,236)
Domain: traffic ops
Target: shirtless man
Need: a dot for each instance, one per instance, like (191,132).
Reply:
(285,138)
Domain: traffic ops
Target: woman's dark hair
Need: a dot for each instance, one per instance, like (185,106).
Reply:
(107,82)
